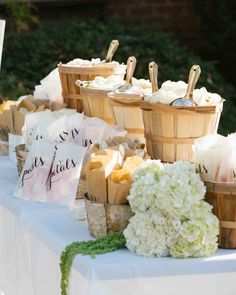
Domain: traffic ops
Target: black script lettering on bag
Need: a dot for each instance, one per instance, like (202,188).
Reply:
(27,173)
(60,167)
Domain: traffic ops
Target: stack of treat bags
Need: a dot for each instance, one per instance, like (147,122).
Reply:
(57,143)
(67,125)
(12,118)
(109,174)
(215,157)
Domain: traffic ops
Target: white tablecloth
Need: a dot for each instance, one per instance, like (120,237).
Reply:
(32,236)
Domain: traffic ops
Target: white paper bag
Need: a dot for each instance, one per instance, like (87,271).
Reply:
(35,127)
(75,124)
(57,131)
(93,130)
(32,182)
(65,173)
(50,88)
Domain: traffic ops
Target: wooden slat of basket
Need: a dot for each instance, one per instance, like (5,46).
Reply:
(129,117)
(69,74)
(97,104)
(167,129)
(101,70)
(222,196)
(176,109)
(228,224)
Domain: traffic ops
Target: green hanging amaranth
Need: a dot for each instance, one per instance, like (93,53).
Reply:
(102,245)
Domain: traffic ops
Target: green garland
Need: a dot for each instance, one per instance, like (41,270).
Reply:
(102,245)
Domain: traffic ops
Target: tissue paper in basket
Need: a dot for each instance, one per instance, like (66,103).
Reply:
(215,157)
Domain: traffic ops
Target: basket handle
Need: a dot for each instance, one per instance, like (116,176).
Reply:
(194,75)
(153,72)
(111,50)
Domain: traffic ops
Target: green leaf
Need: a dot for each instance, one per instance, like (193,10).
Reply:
(102,245)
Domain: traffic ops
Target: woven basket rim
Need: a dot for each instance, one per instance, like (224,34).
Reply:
(168,108)
(220,183)
(97,70)
(94,90)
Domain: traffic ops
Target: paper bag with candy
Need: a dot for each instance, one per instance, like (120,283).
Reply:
(97,171)
(119,182)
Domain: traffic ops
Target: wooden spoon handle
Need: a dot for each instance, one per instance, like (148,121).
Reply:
(153,72)
(111,50)
(194,75)
(131,64)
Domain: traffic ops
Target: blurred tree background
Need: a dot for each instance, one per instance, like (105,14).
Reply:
(33,46)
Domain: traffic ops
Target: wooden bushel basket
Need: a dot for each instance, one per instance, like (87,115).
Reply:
(170,131)
(222,196)
(69,74)
(127,114)
(106,218)
(96,104)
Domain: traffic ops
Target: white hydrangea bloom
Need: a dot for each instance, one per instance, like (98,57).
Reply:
(171,217)
(196,233)
(173,188)
(147,237)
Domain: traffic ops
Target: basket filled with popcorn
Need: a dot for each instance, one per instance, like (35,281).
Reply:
(126,100)
(215,161)
(109,177)
(176,114)
(96,102)
(87,70)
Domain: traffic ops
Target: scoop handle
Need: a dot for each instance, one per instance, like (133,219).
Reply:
(111,50)
(131,65)
(153,72)
(194,75)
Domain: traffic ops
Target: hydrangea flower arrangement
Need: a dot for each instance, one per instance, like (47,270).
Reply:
(171,217)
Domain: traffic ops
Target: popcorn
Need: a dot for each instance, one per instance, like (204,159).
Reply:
(79,62)
(141,87)
(111,83)
(170,91)
(141,83)
(203,97)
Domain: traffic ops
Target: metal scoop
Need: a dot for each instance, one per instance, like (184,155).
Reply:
(131,64)
(187,100)
(111,50)
(153,71)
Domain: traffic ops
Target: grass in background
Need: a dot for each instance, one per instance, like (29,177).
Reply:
(29,56)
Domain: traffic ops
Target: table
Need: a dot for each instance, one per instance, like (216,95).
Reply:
(32,236)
